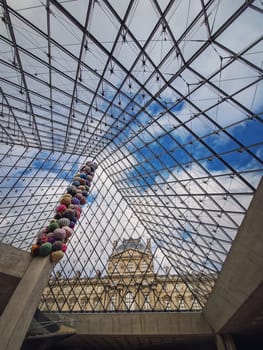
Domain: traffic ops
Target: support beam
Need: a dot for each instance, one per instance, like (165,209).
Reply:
(13,261)
(13,264)
(240,284)
(19,311)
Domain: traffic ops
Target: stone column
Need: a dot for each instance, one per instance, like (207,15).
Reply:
(18,313)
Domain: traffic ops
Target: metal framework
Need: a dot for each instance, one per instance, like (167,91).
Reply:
(165,95)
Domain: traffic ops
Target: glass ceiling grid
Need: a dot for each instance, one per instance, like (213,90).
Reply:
(191,179)
(167,99)
(169,243)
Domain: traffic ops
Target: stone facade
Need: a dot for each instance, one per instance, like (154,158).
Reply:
(130,284)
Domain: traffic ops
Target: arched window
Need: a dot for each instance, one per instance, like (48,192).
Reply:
(112,305)
(84,301)
(167,303)
(129,301)
(72,300)
(96,304)
(49,302)
(61,301)
(100,289)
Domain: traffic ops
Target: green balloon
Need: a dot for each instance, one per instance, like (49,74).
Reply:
(45,249)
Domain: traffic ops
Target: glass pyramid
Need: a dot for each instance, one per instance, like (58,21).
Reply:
(166,96)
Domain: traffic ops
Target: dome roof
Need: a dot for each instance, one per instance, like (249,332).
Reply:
(130,243)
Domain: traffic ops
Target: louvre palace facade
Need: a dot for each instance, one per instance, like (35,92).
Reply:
(130,284)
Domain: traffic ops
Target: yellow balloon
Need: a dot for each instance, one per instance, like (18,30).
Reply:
(56,256)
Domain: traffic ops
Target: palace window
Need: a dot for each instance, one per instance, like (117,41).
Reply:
(167,303)
(96,304)
(182,305)
(144,266)
(50,302)
(146,305)
(130,266)
(115,267)
(84,301)
(100,289)
(61,300)
(112,305)
(129,301)
(72,302)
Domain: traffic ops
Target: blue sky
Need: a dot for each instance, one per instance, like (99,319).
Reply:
(54,166)
(167,152)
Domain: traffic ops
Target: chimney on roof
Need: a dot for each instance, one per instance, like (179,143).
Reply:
(114,245)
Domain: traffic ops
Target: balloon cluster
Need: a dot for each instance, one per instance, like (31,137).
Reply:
(52,240)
